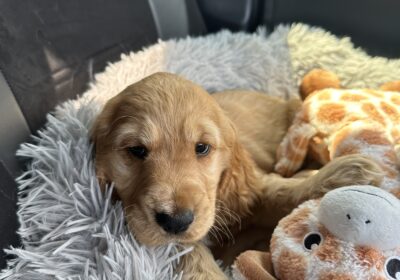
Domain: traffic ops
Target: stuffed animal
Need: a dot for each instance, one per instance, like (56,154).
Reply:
(352,233)
(334,122)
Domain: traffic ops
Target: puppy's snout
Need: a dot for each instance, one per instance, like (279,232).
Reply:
(176,223)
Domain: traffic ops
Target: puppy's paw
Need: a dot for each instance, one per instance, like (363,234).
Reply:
(345,171)
(204,274)
(199,264)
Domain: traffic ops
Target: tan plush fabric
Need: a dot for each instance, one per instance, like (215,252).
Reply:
(312,47)
(255,265)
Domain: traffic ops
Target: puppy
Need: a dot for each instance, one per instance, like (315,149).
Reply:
(183,160)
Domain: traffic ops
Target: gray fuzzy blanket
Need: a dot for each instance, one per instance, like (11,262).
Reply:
(69,229)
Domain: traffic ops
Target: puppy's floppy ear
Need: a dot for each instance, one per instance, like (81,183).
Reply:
(239,184)
(102,125)
(98,136)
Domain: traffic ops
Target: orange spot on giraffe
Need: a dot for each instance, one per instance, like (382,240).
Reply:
(339,138)
(375,277)
(391,86)
(390,111)
(295,225)
(291,265)
(342,150)
(352,97)
(370,257)
(328,249)
(331,275)
(372,112)
(331,113)
(373,137)
(299,141)
(353,118)
(395,134)
(391,155)
(395,99)
(319,150)
(295,151)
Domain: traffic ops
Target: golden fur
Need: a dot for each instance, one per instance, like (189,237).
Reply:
(169,115)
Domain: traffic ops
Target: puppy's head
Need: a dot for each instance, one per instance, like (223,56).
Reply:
(165,143)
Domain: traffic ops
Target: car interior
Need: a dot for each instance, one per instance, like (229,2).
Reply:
(50,51)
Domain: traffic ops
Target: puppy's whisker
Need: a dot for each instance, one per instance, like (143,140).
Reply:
(222,206)
(221,226)
(229,217)
(233,217)
(219,231)
(224,222)
(221,234)
(216,236)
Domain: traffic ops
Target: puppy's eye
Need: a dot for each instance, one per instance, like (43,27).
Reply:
(138,151)
(202,149)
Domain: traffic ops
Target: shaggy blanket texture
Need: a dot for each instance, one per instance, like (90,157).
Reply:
(69,229)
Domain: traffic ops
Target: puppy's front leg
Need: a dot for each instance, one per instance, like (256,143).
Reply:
(343,171)
(346,170)
(199,264)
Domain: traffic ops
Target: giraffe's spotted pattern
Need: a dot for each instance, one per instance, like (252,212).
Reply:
(395,100)
(336,276)
(344,122)
(390,111)
(370,257)
(331,112)
(373,113)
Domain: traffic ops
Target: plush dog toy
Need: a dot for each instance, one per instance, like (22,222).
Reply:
(352,232)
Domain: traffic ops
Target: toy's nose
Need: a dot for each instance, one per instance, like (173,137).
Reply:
(176,223)
(351,217)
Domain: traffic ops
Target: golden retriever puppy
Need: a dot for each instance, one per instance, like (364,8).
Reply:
(182,160)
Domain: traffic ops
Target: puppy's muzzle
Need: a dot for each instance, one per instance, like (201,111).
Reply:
(176,223)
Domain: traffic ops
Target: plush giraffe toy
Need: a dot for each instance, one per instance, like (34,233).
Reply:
(353,232)
(334,122)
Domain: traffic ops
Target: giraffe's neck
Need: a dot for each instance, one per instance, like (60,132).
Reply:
(331,109)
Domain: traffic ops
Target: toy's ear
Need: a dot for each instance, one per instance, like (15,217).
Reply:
(391,86)
(318,79)
(254,265)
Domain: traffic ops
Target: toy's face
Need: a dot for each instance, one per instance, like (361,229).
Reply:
(302,248)
(362,215)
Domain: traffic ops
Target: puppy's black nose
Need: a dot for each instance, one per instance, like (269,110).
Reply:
(176,223)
